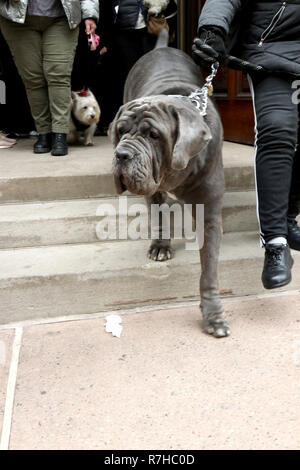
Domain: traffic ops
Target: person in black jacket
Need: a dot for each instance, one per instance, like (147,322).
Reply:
(128,41)
(127,38)
(263,38)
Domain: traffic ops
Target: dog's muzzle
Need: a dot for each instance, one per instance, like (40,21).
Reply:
(124,155)
(132,171)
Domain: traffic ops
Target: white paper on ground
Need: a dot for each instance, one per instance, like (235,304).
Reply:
(113,325)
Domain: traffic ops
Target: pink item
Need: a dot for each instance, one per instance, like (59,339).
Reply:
(93,41)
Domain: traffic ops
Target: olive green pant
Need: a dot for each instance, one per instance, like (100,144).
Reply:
(43,49)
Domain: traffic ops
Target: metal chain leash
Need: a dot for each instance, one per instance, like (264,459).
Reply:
(200,96)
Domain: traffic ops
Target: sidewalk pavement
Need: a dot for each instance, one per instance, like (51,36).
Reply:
(163,385)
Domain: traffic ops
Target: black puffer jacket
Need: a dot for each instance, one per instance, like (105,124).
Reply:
(263,32)
(126,12)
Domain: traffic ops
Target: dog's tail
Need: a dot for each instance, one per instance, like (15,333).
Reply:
(163,39)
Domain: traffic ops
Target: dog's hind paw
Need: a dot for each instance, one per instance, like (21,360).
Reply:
(160,253)
(216,326)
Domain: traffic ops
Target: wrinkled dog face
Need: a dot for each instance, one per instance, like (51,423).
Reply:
(152,136)
(143,139)
(85,107)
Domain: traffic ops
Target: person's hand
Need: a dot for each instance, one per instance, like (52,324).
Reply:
(90,26)
(209,47)
(103,50)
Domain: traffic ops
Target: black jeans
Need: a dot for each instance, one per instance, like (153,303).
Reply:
(128,46)
(277,160)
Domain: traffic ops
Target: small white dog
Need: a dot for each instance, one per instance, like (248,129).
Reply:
(85,115)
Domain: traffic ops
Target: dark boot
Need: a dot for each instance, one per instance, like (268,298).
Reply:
(277,267)
(43,144)
(293,237)
(59,144)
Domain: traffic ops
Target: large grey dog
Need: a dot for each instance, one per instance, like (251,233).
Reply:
(163,144)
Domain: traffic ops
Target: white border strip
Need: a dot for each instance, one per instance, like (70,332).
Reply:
(10,393)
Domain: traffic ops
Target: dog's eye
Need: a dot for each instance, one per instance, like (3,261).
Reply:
(154,134)
(121,129)
(84,107)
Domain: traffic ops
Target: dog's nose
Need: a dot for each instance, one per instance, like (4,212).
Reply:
(123,155)
(92,116)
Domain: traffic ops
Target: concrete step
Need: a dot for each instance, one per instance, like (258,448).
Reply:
(81,279)
(75,221)
(239,212)
(86,172)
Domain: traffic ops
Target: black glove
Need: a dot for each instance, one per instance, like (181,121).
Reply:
(209,47)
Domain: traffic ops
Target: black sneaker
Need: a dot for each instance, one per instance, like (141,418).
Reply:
(43,144)
(277,267)
(59,145)
(293,234)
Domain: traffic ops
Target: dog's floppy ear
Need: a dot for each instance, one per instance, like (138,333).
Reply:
(193,135)
(112,131)
(112,134)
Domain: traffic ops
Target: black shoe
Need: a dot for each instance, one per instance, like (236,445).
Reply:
(277,267)
(43,144)
(59,144)
(293,234)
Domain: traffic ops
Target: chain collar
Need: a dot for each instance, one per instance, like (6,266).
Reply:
(199,97)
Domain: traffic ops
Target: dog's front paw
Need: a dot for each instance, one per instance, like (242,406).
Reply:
(216,326)
(89,143)
(158,252)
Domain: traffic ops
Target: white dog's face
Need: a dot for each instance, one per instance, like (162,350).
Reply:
(85,107)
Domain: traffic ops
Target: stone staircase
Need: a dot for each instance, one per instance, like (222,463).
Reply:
(53,264)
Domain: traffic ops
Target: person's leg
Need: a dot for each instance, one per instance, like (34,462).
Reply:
(126,51)
(80,77)
(58,50)
(26,46)
(104,91)
(294,201)
(15,94)
(276,128)
(148,42)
